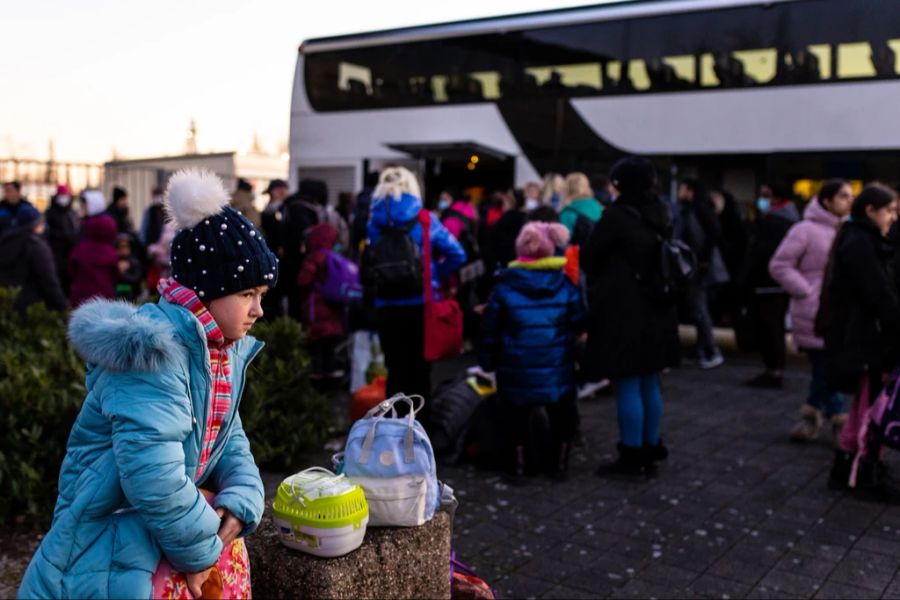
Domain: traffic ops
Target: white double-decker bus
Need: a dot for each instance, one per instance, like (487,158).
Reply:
(734,91)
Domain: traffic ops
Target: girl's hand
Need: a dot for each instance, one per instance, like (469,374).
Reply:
(230,528)
(195,582)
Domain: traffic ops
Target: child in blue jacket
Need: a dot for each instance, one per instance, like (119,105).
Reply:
(530,328)
(160,422)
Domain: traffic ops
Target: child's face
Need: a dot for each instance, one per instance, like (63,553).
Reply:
(236,313)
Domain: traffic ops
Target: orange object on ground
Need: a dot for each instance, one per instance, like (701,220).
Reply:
(367,397)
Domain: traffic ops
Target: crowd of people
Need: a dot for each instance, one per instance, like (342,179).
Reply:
(563,286)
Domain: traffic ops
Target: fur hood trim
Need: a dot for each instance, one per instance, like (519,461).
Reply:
(117,336)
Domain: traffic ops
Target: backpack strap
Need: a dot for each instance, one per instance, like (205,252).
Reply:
(425,221)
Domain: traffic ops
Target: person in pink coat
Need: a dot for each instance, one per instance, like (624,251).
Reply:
(799,267)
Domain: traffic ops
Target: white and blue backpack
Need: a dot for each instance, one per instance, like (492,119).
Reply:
(391,458)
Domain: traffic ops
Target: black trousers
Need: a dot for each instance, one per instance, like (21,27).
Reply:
(563,416)
(401,330)
(771,309)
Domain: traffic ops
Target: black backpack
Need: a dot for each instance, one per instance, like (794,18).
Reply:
(468,238)
(393,264)
(676,266)
(581,231)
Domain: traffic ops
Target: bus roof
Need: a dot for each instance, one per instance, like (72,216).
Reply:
(616,9)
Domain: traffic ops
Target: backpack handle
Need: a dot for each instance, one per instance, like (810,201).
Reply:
(409,455)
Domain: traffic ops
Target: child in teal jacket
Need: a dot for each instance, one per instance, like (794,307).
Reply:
(160,422)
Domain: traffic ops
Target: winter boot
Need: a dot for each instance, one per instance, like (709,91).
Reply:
(657,453)
(517,475)
(807,428)
(837,426)
(631,464)
(839,479)
(561,470)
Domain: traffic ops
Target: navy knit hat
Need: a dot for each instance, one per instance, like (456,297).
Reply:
(633,174)
(216,251)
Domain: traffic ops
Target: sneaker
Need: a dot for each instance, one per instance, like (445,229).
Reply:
(712,362)
(766,380)
(807,428)
(592,387)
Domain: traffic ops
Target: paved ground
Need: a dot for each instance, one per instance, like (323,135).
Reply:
(738,511)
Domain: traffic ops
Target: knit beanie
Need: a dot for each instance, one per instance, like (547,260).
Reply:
(27,217)
(94,202)
(216,251)
(633,174)
(540,240)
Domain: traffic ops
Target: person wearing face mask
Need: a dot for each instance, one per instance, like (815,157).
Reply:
(63,227)
(777,213)
(799,266)
(859,318)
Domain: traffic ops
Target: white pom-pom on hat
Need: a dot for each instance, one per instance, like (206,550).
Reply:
(193,195)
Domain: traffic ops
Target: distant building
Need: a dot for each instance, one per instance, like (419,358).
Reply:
(140,175)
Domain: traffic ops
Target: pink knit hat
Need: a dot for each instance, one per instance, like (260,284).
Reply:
(540,240)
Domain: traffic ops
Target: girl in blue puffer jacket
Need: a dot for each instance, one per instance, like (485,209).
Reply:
(160,422)
(530,328)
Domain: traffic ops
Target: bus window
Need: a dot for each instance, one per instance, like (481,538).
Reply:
(490,84)
(855,60)
(822,52)
(439,88)
(354,78)
(760,64)
(684,67)
(708,76)
(670,73)
(637,73)
(572,76)
(612,73)
(885,58)
(420,90)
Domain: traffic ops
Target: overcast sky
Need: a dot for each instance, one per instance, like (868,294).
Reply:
(95,75)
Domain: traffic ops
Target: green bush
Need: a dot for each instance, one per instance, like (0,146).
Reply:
(283,415)
(42,389)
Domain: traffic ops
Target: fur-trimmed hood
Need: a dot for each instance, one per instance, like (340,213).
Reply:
(122,337)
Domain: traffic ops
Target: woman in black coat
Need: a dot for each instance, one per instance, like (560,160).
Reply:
(859,317)
(63,232)
(632,336)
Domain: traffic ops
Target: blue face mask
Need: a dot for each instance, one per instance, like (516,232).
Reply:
(763,204)
(443,205)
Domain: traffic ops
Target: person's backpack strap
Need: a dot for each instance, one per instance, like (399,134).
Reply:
(425,221)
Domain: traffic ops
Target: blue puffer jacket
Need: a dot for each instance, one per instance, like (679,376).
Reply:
(447,255)
(529,330)
(126,490)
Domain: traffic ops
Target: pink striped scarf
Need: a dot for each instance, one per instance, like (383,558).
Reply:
(220,402)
